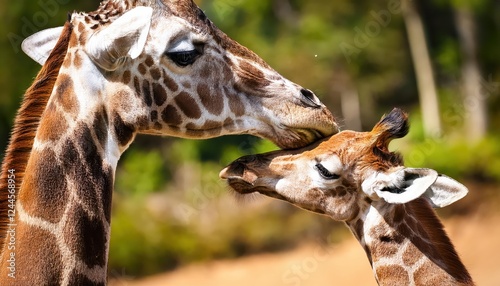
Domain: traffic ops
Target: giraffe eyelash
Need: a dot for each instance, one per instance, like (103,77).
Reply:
(185,58)
(325,173)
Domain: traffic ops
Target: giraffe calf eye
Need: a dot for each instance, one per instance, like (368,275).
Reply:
(326,174)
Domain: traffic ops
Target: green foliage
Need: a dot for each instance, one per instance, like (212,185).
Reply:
(141,172)
(457,158)
(144,242)
(452,154)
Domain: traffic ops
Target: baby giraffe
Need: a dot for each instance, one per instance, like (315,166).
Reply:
(354,178)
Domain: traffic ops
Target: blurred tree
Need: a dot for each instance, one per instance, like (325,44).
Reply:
(423,69)
(475,104)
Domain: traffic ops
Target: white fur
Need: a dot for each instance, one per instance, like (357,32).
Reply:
(413,183)
(132,29)
(39,45)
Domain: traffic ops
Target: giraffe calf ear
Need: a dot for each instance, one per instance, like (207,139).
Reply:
(39,45)
(408,184)
(401,186)
(445,191)
(123,38)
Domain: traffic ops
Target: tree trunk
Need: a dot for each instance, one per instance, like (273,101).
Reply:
(423,69)
(284,12)
(474,103)
(351,112)
(350,103)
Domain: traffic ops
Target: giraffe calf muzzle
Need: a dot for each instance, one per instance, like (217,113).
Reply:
(239,177)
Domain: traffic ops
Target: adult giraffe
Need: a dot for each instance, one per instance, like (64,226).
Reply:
(132,66)
(354,178)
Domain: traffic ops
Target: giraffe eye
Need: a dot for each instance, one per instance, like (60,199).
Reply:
(184,58)
(325,173)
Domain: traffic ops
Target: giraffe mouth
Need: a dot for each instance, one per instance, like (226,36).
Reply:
(242,187)
(238,177)
(243,178)
(292,138)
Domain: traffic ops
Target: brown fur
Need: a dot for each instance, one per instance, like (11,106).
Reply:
(26,124)
(445,251)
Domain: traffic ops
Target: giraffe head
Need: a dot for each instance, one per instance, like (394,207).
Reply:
(343,175)
(162,67)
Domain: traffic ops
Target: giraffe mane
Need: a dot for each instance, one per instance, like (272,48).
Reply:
(446,252)
(26,124)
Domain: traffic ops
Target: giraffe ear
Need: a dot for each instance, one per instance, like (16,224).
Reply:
(122,39)
(39,45)
(445,191)
(407,184)
(401,186)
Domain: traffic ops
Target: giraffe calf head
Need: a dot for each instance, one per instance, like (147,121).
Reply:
(343,174)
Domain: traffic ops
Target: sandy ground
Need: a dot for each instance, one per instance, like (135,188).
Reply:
(476,238)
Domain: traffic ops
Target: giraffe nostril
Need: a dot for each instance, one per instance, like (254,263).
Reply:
(309,98)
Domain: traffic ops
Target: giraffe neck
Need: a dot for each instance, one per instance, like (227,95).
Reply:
(407,245)
(60,231)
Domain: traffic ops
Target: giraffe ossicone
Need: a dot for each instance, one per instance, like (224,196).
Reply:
(131,67)
(354,178)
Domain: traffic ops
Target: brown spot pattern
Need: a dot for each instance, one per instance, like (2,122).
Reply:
(86,238)
(81,27)
(146,93)
(235,104)
(427,274)
(171,116)
(126,77)
(124,132)
(142,69)
(210,124)
(251,77)
(53,125)
(169,82)
(47,271)
(137,86)
(159,93)
(393,275)
(65,94)
(188,105)
(47,183)
(212,102)
(79,279)
(155,73)
(153,115)
(410,256)
(158,126)
(149,61)
(77,60)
